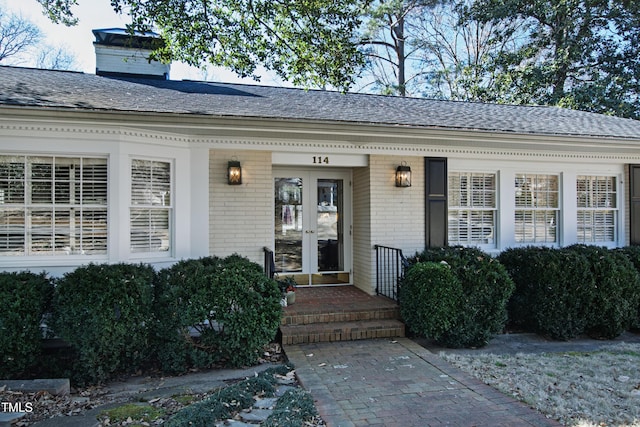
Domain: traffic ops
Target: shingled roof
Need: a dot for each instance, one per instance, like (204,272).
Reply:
(87,92)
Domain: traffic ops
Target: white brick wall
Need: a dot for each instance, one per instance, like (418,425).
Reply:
(385,214)
(363,277)
(240,216)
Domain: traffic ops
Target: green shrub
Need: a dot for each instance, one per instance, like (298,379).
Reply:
(226,401)
(294,409)
(615,291)
(486,288)
(553,290)
(429,299)
(633,253)
(24,298)
(104,312)
(213,310)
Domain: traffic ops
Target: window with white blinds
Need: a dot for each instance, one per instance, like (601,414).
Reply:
(537,208)
(472,208)
(151,206)
(53,205)
(597,209)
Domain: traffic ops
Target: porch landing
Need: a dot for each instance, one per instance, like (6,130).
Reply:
(339,313)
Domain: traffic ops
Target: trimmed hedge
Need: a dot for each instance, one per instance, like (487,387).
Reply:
(430,299)
(225,311)
(24,299)
(553,290)
(486,288)
(104,312)
(633,253)
(615,292)
(566,292)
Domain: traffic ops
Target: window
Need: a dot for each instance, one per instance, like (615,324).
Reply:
(53,205)
(597,209)
(472,208)
(537,207)
(150,206)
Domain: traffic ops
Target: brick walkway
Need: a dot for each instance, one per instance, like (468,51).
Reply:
(399,383)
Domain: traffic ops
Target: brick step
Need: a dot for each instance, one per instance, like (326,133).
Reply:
(341,331)
(291,317)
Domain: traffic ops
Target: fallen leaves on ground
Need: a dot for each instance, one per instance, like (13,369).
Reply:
(585,389)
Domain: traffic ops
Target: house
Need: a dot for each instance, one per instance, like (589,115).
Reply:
(129,166)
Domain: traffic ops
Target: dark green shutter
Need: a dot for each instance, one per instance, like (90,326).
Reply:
(634,204)
(435,173)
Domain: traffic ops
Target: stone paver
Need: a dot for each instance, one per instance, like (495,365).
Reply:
(399,383)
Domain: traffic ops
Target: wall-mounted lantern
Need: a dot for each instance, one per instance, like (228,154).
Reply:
(234,173)
(403,175)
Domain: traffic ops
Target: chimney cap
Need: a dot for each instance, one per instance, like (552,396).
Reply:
(124,38)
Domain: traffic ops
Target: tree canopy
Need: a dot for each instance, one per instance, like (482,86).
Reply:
(16,35)
(22,43)
(307,42)
(581,54)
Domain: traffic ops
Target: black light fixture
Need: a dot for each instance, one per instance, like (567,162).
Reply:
(403,175)
(234,173)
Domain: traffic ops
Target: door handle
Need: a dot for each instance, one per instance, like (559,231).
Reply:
(309,231)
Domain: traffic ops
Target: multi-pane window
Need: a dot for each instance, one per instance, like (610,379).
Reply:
(472,208)
(597,209)
(151,206)
(53,205)
(537,208)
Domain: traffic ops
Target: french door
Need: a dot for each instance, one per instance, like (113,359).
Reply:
(313,225)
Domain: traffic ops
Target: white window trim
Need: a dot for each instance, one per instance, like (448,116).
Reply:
(495,209)
(154,255)
(616,210)
(506,170)
(58,258)
(534,209)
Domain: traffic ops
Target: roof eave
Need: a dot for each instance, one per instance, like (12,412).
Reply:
(358,133)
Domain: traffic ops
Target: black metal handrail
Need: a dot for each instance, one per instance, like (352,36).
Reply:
(269,263)
(391,265)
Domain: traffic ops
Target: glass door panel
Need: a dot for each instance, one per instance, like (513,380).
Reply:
(330,235)
(288,225)
(310,238)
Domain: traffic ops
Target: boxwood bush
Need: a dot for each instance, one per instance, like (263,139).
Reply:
(430,298)
(553,290)
(104,312)
(615,291)
(566,292)
(24,299)
(212,311)
(486,288)
(633,253)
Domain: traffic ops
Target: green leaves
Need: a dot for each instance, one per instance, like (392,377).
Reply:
(308,42)
(230,302)
(104,312)
(23,302)
(479,307)
(579,54)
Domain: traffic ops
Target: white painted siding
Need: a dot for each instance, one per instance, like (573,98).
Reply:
(132,61)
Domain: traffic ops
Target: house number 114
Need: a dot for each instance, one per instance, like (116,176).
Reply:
(320,160)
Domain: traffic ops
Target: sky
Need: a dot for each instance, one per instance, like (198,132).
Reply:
(93,14)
